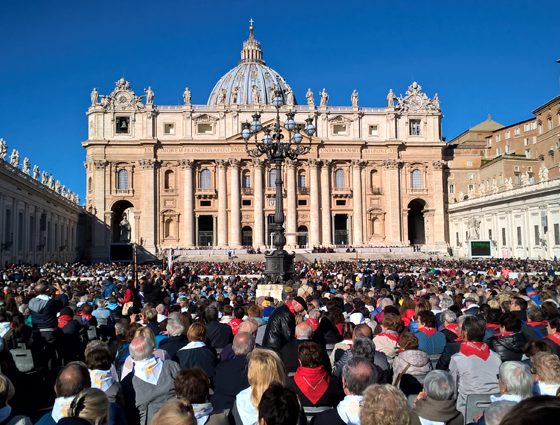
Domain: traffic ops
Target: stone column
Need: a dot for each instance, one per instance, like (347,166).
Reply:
(314,218)
(258,199)
(438,229)
(358,216)
(326,203)
(291,216)
(393,229)
(148,225)
(235,205)
(222,203)
(188,202)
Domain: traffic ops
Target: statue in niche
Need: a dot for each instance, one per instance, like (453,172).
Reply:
(234,94)
(187,96)
(26,166)
(149,96)
(36,172)
(222,96)
(391,99)
(124,230)
(324,99)
(354,99)
(94,97)
(3,149)
(310,100)
(14,158)
(289,97)
(255,95)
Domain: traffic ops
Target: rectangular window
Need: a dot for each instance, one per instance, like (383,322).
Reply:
(537,235)
(504,236)
(527,127)
(414,127)
(508,134)
(122,125)
(451,188)
(499,152)
(517,132)
(246,202)
(302,202)
(533,125)
(556,234)
(457,241)
(301,180)
(528,153)
(471,187)
(340,202)
(498,137)
(469,163)
(205,203)
(549,122)
(339,129)
(373,131)
(508,149)
(202,128)
(526,141)
(519,240)
(169,129)
(489,142)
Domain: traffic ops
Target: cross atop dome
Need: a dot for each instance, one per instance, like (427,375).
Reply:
(252,51)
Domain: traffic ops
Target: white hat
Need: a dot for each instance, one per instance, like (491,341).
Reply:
(161,317)
(357,318)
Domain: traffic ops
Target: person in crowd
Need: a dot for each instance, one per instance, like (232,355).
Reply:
(519,308)
(384,405)
(282,324)
(357,375)
(312,382)
(176,412)
(533,347)
(71,343)
(515,382)
(71,380)
(411,365)
(345,344)
(450,326)
(218,334)
(86,317)
(436,402)
(264,368)
(475,367)
(429,339)
(536,325)
(91,405)
(387,341)
(471,306)
(290,352)
(248,326)
(7,416)
(193,385)
(231,375)
(546,373)
(196,353)
(151,383)
(553,335)
(537,410)
(494,413)
(238,314)
(149,319)
(176,335)
(109,289)
(279,406)
(509,343)
(451,347)
(147,333)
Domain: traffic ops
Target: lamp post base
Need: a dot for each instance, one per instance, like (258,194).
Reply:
(279,265)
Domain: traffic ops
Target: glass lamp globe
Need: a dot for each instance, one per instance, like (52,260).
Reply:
(298,138)
(290,124)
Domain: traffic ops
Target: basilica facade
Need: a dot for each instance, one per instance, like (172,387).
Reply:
(180,176)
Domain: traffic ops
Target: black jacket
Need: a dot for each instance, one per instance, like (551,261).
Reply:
(218,335)
(509,347)
(202,357)
(230,380)
(173,344)
(280,329)
(445,358)
(43,312)
(290,358)
(328,417)
(331,397)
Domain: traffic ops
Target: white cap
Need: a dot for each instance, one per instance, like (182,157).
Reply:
(357,318)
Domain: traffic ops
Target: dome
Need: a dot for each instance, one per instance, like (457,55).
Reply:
(251,82)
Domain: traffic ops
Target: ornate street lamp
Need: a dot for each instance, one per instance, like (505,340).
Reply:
(279,263)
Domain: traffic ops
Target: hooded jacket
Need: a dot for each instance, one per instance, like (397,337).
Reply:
(43,311)
(508,347)
(436,411)
(418,363)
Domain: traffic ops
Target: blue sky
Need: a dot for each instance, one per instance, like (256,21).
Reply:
(482,57)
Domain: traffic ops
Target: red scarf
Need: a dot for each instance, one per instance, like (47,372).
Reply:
(234,325)
(492,326)
(504,333)
(291,308)
(407,316)
(533,324)
(314,323)
(453,327)
(63,320)
(555,337)
(312,382)
(389,334)
(428,331)
(479,349)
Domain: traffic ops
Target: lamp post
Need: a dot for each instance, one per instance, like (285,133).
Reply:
(279,263)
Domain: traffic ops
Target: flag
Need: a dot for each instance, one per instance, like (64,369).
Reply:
(170,261)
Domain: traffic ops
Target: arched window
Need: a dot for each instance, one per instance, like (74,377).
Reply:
(246,179)
(374,180)
(122,180)
(416,179)
(205,179)
(169,180)
(168,228)
(339,179)
(272,177)
(301,180)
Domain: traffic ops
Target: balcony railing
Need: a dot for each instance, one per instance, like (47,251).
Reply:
(303,190)
(246,190)
(125,192)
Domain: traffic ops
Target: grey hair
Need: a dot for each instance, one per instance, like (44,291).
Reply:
(243,343)
(363,347)
(141,348)
(358,374)
(494,414)
(517,377)
(445,303)
(304,331)
(175,327)
(448,316)
(120,326)
(439,385)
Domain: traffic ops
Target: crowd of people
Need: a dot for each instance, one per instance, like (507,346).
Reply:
(409,341)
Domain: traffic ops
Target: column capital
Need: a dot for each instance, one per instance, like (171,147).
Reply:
(100,164)
(186,163)
(222,163)
(258,163)
(148,163)
(313,162)
(327,163)
(439,164)
(234,163)
(392,163)
(292,163)
(359,163)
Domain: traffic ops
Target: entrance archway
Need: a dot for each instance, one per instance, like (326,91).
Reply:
(416,228)
(247,236)
(122,222)
(302,236)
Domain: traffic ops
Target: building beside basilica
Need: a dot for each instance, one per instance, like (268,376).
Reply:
(180,176)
